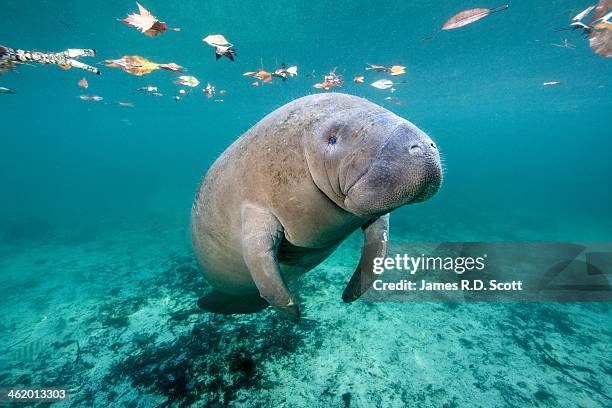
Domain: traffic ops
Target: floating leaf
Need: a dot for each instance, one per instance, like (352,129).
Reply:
(261,74)
(209,91)
(83,83)
(382,84)
(601,41)
(600,36)
(216,40)
(93,98)
(187,80)
(329,81)
(358,79)
(292,71)
(171,67)
(137,65)
(146,22)
(393,70)
(221,45)
(565,44)
(379,68)
(469,16)
(11,57)
(6,62)
(583,13)
(148,88)
(397,70)
(283,72)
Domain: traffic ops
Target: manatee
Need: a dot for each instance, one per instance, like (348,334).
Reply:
(285,194)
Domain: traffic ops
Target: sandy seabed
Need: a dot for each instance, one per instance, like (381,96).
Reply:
(109,312)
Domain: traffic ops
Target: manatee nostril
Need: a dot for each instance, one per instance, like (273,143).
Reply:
(416,148)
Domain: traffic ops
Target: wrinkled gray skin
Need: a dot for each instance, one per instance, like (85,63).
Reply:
(282,197)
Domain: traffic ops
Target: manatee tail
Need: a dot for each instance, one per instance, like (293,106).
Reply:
(222,303)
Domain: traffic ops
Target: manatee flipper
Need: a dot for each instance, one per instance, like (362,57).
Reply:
(262,233)
(222,303)
(376,236)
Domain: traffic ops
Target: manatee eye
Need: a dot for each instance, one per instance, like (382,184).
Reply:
(332,140)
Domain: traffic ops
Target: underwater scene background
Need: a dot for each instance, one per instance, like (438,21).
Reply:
(98,281)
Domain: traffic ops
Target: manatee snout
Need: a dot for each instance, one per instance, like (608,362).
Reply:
(406,170)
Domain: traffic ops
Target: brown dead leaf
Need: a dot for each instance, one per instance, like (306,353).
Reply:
(469,16)
(171,67)
(393,70)
(397,70)
(330,80)
(600,38)
(187,80)
(147,23)
(137,65)
(379,68)
(261,74)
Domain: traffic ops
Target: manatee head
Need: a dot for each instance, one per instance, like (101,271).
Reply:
(370,161)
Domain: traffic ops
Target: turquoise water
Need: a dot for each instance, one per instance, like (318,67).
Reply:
(98,281)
